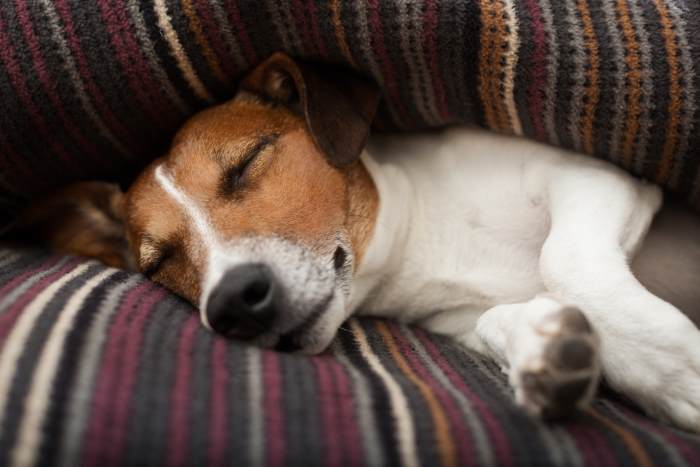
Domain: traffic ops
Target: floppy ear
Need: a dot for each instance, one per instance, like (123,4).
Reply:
(338,105)
(84,219)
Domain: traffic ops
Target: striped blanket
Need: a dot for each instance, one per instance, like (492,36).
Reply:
(94,89)
(99,367)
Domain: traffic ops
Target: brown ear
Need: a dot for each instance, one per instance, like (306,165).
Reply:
(84,219)
(338,105)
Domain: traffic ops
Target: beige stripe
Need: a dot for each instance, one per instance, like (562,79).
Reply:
(201,39)
(135,11)
(178,52)
(399,406)
(511,57)
(37,401)
(256,443)
(14,343)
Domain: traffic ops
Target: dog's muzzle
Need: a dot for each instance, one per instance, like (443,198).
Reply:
(245,302)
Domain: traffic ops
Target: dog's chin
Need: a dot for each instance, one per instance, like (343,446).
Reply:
(313,335)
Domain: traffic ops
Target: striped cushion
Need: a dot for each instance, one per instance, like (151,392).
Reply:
(101,367)
(96,88)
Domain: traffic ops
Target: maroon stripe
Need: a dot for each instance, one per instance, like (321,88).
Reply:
(8,318)
(273,409)
(242,33)
(332,447)
(157,100)
(213,31)
(106,426)
(131,353)
(39,65)
(85,73)
(218,429)
(129,56)
(7,55)
(430,36)
(180,395)
(499,440)
(390,83)
(591,444)
(691,455)
(460,433)
(316,30)
(347,416)
(537,65)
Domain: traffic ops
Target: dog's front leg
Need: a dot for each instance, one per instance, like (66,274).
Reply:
(548,350)
(650,351)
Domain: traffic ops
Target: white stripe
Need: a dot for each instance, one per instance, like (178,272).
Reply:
(365,415)
(15,341)
(178,52)
(255,392)
(399,406)
(511,62)
(37,401)
(7,301)
(79,405)
(475,427)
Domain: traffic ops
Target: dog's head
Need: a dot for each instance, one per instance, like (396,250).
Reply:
(261,209)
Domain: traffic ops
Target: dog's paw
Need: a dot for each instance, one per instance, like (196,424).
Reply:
(661,373)
(556,370)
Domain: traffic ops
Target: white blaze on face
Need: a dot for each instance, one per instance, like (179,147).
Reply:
(208,240)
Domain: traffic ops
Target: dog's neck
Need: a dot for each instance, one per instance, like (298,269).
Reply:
(379,245)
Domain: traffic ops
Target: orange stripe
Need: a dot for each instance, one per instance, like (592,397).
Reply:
(674,106)
(485,69)
(636,449)
(494,44)
(634,79)
(446,446)
(340,32)
(592,77)
(196,28)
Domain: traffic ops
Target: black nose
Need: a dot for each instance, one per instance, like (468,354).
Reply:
(244,303)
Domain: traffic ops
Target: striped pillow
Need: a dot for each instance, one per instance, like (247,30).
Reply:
(99,367)
(95,89)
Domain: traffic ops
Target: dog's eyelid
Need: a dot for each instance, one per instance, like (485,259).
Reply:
(234,177)
(152,255)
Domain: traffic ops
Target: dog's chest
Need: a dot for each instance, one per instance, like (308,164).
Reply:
(474,232)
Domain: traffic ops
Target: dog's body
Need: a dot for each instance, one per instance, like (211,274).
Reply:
(264,215)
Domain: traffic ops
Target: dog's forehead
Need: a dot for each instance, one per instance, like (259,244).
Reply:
(236,121)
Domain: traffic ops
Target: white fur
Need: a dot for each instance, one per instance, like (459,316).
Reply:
(470,220)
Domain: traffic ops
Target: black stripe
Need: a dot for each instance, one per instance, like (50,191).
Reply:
(379,396)
(29,359)
(62,385)
(147,436)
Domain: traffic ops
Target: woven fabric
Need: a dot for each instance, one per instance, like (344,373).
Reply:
(94,89)
(99,367)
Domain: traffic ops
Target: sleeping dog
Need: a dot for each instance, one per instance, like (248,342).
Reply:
(274,216)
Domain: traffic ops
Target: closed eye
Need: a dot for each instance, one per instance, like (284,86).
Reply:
(153,259)
(235,178)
